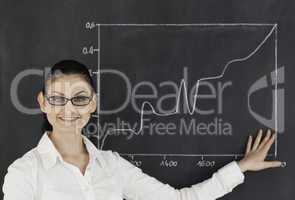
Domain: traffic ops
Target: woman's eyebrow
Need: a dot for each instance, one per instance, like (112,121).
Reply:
(58,92)
(74,94)
(80,92)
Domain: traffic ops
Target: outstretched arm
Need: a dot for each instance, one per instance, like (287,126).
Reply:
(140,186)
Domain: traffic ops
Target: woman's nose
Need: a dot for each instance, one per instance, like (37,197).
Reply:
(69,107)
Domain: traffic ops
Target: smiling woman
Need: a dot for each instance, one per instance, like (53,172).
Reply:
(66,165)
(67,76)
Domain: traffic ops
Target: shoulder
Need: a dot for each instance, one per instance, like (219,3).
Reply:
(112,160)
(21,174)
(109,157)
(22,169)
(25,163)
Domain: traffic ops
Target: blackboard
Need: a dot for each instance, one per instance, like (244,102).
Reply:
(239,51)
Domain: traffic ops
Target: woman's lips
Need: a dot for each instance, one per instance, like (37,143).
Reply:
(69,119)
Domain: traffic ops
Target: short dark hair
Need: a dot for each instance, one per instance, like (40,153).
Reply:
(65,67)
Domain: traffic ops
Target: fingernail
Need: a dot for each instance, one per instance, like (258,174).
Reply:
(274,136)
(283,164)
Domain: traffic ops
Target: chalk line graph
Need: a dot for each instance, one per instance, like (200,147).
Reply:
(183,87)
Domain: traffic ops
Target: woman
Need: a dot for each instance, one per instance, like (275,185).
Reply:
(66,165)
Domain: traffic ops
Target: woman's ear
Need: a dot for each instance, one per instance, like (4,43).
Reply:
(93,103)
(41,101)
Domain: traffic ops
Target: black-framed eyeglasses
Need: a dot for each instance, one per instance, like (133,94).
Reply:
(80,100)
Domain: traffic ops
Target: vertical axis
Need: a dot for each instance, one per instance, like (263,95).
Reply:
(276,90)
(98,83)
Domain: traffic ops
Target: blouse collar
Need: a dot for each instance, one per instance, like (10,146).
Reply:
(49,154)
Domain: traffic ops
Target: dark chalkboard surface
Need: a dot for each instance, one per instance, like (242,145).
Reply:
(181,84)
(154,110)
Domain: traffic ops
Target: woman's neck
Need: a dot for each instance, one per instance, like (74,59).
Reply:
(68,143)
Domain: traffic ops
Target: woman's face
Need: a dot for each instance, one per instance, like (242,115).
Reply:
(68,117)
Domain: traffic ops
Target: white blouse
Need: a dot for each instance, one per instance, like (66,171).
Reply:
(42,174)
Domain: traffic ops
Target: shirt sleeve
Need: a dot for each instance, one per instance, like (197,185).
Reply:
(140,186)
(17,184)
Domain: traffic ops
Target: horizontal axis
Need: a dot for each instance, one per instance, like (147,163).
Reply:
(186,155)
(196,24)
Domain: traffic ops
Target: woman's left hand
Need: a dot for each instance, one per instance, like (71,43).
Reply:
(256,153)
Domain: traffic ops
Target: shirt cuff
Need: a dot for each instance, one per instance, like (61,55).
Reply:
(231,175)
